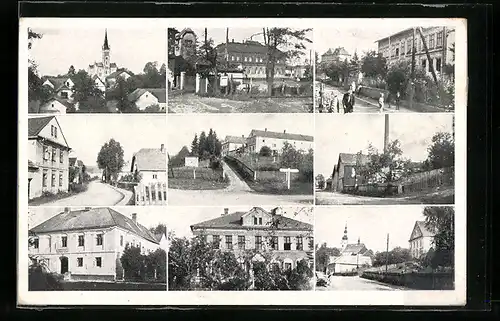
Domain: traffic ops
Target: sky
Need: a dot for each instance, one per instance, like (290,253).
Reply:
(370,224)
(86,134)
(239,35)
(413,130)
(130,48)
(182,128)
(179,219)
(148,216)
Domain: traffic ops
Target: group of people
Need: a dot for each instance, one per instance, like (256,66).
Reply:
(381,102)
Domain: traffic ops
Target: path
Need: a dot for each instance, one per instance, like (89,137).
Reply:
(335,198)
(236,184)
(356,283)
(97,194)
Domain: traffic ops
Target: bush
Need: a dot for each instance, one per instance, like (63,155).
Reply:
(265,151)
(321,282)
(40,279)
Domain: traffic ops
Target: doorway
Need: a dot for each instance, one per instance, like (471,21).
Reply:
(64,265)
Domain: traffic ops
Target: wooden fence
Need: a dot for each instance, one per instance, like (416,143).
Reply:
(425,180)
(414,280)
(154,193)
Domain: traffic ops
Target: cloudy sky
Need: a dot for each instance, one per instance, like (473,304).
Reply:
(239,35)
(86,134)
(130,48)
(179,219)
(352,133)
(148,216)
(370,224)
(182,128)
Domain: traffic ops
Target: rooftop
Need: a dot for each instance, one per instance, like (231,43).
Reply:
(351,159)
(152,159)
(281,135)
(36,124)
(159,93)
(235,139)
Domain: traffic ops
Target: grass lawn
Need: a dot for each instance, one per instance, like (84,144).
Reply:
(442,196)
(54,197)
(271,186)
(206,179)
(112,286)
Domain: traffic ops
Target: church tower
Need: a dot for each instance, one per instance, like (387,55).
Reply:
(343,243)
(106,55)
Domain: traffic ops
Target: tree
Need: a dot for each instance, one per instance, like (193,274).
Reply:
(265,151)
(110,159)
(323,254)
(282,44)
(36,90)
(194,146)
(441,221)
(178,159)
(395,256)
(119,93)
(320,179)
(152,77)
(337,70)
(202,144)
(354,63)
(159,229)
(71,71)
(374,65)
(132,263)
(172,43)
(442,151)
(86,93)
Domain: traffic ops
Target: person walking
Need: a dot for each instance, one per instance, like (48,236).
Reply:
(381,102)
(397,100)
(348,102)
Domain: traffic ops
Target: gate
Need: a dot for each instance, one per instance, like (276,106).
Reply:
(154,193)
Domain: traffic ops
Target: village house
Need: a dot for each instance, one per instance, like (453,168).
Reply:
(276,141)
(114,76)
(421,240)
(78,166)
(344,175)
(151,164)
(440,42)
(147,97)
(289,241)
(99,84)
(105,67)
(55,105)
(335,55)
(87,244)
(232,143)
(351,258)
(62,87)
(48,163)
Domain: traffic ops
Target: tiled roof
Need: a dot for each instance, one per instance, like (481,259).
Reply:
(64,102)
(250,47)
(235,139)
(92,219)
(158,236)
(152,159)
(280,135)
(36,124)
(423,229)
(350,159)
(118,72)
(351,260)
(233,221)
(355,248)
(58,82)
(341,51)
(159,93)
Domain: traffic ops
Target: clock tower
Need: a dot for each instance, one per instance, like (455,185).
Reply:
(106,54)
(343,243)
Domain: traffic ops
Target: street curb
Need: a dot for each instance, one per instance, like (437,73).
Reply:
(124,200)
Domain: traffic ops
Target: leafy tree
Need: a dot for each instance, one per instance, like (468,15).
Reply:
(442,151)
(132,263)
(120,92)
(374,65)
(355,62)
(152,77)
(304,162)
(337,70)
(36,90)
(321,181)
(172,44)
(282,44)
(265,151)
(194,145)
(110,159)
(395,256)
(86,93)
(178,159)
(441,221)
(159,229)
(71,71)
(323,254)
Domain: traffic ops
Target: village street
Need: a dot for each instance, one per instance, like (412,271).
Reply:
(334,198)
(191,103)
(97,194)
(362,104)
(356,283)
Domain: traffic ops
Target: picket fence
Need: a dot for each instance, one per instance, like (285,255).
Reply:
(154,193)
(430,179)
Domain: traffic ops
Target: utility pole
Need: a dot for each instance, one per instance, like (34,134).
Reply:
(387,254)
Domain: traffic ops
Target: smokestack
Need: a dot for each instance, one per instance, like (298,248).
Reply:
(386,133)
(134,217)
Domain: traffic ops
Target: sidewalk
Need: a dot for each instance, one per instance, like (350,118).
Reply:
(391,109)
(127,195)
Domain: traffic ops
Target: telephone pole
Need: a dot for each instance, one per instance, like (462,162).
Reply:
(387,254)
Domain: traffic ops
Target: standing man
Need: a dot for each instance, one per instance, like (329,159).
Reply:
(397,100)
(381,103)
(348,102)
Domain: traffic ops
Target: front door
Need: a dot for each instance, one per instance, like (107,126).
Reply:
(64,264)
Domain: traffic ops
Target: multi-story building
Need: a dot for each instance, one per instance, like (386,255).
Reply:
(48,163)
(276,141)
(232,143)
(335,55)
(440,43)
(151,164)
(251,56)
(344,172)
(289,241)
(88,243)
(105,67)
(421,240)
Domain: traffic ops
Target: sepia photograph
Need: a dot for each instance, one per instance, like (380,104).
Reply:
(97,249)
(92,70)
(241,159)
(393,159)
(385,248)
(96,160)
(385,69)
(240,70)
(240,249)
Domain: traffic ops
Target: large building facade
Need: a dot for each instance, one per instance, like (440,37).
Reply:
(151,164)
(421,240)
(88,243)
(105,67)
(232,143)
(276,141)
(48,157)
(289,241)
(351,258)
(440,43)
(335,55)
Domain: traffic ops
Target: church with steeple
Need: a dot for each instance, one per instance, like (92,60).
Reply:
(105,67)
(352,256)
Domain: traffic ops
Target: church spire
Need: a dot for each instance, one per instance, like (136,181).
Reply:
(105,46)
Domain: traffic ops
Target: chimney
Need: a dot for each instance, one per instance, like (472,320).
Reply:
(134,217)
(386,132)
(162,148)
(226,211)
(67,210)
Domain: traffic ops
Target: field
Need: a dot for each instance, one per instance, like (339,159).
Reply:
(206,179)
(274,182)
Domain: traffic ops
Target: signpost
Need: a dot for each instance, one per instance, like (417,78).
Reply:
(191,162)
(288,172)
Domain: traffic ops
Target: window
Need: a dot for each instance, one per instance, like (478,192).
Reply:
(263,140)
(36,243)
(54,151)
(55,128)
(45,178)
(232,58)
(61,156)
(216,240)
(250,59)
(397,52)
(46,154)
(237,58)
(258,242)
(98,262)
(438,64)
(431,41)
(260,220)
(81,240)
(64,241)
(288,266)
(274,243)
(439,40)
(64,94)
(254,221)
(241,242)
(99,239)
(79,261)
(53,179)
(287,244)
(121,240)
(244,59)
(300,244)
(60,179)
(229,242)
